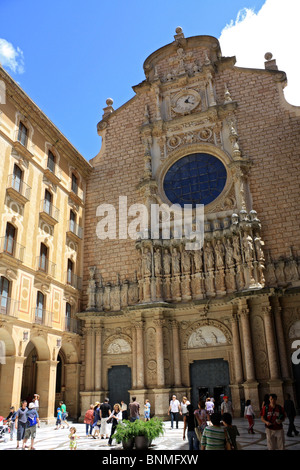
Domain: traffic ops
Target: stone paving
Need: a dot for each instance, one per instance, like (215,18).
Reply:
(50,439)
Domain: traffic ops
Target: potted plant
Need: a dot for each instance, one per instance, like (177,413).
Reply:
(140,432)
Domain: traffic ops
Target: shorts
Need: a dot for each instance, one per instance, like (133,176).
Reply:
(21,430)
(30,432)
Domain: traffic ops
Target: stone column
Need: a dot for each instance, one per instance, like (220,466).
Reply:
(98,357)
(139,325)
(134,358)
(160,368)
(280,340)
(176,353)
(270,340)
(89,358)
(239,377)
(11,383)
(247,343)
(46,382)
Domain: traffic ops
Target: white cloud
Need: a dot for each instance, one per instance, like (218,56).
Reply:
(11,57)
(275,29)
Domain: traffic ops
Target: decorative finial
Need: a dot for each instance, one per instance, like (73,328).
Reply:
(270,63)
(108,109)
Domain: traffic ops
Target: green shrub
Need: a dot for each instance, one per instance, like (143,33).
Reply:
(129,430)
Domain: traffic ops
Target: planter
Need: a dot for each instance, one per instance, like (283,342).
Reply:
(141,442)
(128,444)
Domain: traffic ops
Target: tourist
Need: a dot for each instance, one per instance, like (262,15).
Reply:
(11,421)
(73,438)
(214,437)
(273,416)
(88,421)
(174,411)
(97,422)
(209,406)
(64,415)
(147,407)
(115,418)
(201,416)
(226,406)
(58,418)
(249,415)
(21,421)
(190,423)
(124,410)
(134,409)
(36,401)
(105,411)
(232,430)
(32,421)
(184,404)
(290,410)
(266,401)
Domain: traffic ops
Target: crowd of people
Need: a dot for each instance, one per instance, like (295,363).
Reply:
(208,427)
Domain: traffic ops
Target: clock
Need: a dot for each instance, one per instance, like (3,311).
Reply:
(186,101)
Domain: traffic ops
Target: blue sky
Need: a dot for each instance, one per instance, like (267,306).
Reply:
(69,56)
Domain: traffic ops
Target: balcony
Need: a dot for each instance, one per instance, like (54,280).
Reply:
(18,190)
(72,325)
(73,280)
(74,231)
(21,146)
(11,250)
(42,317)
(45,267)
(53,173)
(9,306)
(48,212)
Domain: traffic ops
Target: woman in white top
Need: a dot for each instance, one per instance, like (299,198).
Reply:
(249,414)
(115,418)
(184,404)
(209,406)
(36,402)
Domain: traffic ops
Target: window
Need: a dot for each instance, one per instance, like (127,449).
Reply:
(51,161)
(17,178)
(195,179)
(74,184)
(68,316)
(9,241)
(4,294)
(70,271)
(40,302)
(47,202)
(43,260)
(22,135)
(72,221)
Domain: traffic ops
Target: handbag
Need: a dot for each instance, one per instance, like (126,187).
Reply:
(228,443)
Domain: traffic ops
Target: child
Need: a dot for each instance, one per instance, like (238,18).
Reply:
(73,438)
(58,419)
(11,421)
(147,410)
(231,429)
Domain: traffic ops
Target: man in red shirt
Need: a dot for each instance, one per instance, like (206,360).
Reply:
(273,416)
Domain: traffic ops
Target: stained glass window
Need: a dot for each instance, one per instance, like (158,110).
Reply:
(198,178)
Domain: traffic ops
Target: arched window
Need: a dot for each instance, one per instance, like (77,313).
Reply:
(68,316)
(22,134)
(47,202)
(17,178)
(70,272)
(43,259)
(74,186)
(4,294)
(72,221)
(39,310)
(10,239)
(51,161)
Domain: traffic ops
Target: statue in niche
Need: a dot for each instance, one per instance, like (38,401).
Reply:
(175,262)
(209,256)
(167,262)
(220,253)
(229,253)
(198,261)
(147,262)
(236,250)
(157,262)
(248,248)
(186,261)
(258,247)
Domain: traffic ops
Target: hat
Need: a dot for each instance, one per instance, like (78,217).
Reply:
(225,396)
(31,405)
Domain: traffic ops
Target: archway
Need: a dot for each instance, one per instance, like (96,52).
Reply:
(29,379)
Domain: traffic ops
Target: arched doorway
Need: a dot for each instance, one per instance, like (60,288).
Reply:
(119,384)
(29,379)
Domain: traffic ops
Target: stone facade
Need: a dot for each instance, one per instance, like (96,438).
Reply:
(154,314)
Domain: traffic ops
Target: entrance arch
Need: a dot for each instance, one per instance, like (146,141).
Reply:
(119,384)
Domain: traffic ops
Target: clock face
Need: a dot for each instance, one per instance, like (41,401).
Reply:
(185,102)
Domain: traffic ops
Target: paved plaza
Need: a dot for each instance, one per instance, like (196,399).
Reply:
(50,439)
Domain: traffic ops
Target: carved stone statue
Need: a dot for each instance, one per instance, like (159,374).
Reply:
(229,254)
(147,262)
(167,262)
(175,262)
(220,253)
(157,262)
(248,248)
(198,261)
(186,262)
(208,256)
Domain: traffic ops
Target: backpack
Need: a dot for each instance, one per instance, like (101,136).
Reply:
(31,420)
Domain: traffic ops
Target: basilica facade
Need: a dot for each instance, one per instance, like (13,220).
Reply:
(158,315)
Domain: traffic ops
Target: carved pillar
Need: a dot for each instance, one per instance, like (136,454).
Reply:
(134,358)
(176,353)
(89,358)
(247,342)
(98,357)
(270,339)
(239,377)
(280,339)
(160,368)
(139,325)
